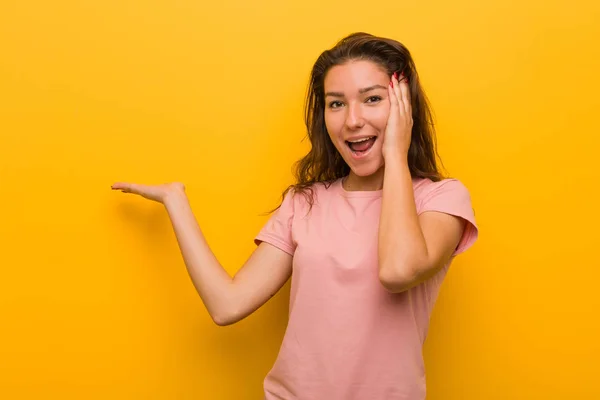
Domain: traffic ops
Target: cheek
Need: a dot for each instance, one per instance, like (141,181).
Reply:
(380,117)
(332,124)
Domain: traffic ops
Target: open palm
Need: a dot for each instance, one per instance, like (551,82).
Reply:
(152,192)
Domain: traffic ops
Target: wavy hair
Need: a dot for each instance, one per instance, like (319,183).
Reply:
(323,163)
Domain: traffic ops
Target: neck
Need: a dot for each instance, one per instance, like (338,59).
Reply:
(364,183)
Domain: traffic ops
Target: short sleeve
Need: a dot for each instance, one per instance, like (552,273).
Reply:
(450,196)
(278,229)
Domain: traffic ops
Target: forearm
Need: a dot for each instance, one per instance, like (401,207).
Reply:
(212,282)
(402,246)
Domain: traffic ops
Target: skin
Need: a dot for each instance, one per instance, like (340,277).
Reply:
(411,247)
(357,106)
(361,101)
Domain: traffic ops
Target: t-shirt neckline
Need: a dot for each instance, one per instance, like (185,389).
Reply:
(356,193)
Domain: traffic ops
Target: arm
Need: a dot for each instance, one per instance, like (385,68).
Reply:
(227,300)
(412,248)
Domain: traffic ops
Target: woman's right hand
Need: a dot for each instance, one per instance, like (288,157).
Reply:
(227,299)
(157,193)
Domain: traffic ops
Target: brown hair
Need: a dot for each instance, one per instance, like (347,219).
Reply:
(323,163)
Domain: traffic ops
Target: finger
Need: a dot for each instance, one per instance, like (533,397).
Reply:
(125,187)
(405,89)
(393,100)
(398,91)
(404,96)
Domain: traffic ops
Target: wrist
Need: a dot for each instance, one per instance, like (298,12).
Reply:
(396,157)
(174,196)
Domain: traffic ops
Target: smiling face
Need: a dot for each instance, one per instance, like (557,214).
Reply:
(356,113)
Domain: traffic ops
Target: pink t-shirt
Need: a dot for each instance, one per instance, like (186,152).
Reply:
(348,337)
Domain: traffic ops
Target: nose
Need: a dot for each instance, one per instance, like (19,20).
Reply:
(354,117)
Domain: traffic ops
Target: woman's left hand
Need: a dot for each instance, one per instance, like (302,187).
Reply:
(396,140)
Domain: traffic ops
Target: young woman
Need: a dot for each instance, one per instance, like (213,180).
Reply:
(367,234)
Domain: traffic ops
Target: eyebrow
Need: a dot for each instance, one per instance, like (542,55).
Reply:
(361,91)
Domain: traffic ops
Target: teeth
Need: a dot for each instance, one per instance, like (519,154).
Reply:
(361,140)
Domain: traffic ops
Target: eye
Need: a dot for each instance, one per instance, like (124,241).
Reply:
(335,104)
(373,99)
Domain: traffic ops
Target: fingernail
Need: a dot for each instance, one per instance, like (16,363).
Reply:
(396,75)
(392,83)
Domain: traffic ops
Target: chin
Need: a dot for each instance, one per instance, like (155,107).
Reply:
(367,169)
(362,163)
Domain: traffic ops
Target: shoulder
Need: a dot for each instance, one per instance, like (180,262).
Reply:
(312,194)
(449,189)
(449,196)
(426,185)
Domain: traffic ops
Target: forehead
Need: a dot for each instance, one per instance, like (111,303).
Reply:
(355,74)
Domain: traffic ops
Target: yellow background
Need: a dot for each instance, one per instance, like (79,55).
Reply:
(95,302)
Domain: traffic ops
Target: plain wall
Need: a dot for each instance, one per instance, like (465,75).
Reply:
(95,301)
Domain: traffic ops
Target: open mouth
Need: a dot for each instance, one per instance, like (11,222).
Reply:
(361,146)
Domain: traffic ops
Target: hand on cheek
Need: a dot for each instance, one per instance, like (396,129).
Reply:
(398,131)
